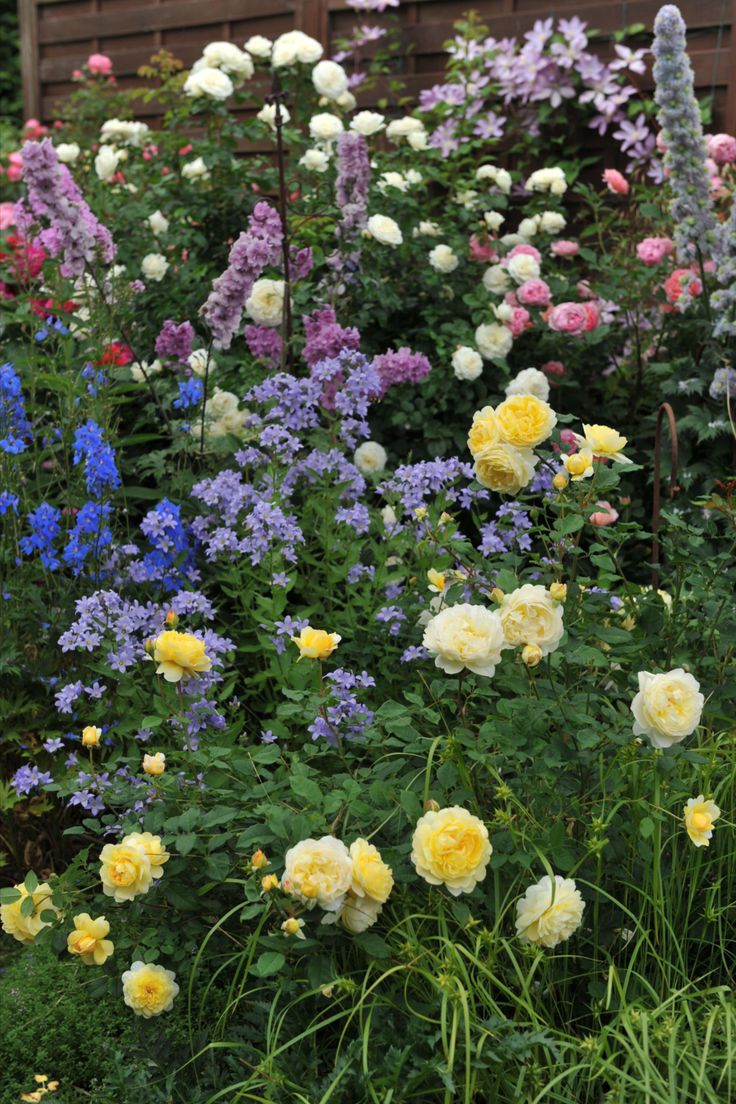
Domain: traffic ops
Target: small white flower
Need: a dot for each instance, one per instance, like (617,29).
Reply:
(392,180)
(528,227)
(522,267)
(294,47)
(402,128)
(430,229)
(229,58)
(106,163)
(267,115)
(315,160)
(550,222)
(154,266)
(496,280)
(370,457)
(493,219)
(195,170)
(265,304)
(494,342)
(199,362)
(68,152)
(367,123)
(547,180)
(418,139)
(123,132)
(158,223)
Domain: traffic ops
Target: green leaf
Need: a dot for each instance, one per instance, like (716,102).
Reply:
(270,962)
(152,721)
(9,895)
(217,866)
(48,916)
(646,827)
(306,789)
(31,882)
(184,844)
(569,524)
(27,906)
(373,945)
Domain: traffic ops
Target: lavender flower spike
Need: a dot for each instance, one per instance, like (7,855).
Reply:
(256,247)
(723,300)
(682,132)
(353,178)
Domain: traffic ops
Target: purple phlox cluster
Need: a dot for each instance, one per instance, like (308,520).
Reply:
(14,425)
(290,626)
(332,463)
(256,248)
(508,532)
(400,366)
(290,401)
(393,616)
(100,471)
(343,716)
(415,484)
(325,338)
(45,524)
(691,207)
(356,516)
(174,343)
(243,522)
(358,386)
(28,778)
(53,195)
(352,183)
(280,442)
(264,343)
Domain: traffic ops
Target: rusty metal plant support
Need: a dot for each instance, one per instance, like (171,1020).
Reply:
(276,98)
(664,410)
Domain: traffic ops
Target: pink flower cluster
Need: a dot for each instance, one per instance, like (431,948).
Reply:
(653,251)
(574,318)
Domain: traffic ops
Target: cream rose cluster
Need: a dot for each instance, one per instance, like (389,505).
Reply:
(451,847)
(530,615)
(667,707)
(549,912)
(350,885)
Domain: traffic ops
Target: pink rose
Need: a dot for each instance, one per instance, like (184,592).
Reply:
(722,148)
(100,64)
(510,298)
(520,321)
(680,279)
(15,166)
(567,436)
(585,291)
(569,318)
(554,368)
(616,182)
(564,248)
(482,252)
(534,293)
(605,515)
(654,250)
(77,75)
(32,129)
(527,250)
(7,215)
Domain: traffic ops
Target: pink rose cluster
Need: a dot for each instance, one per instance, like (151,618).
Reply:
(653,251)
(574,318)
(534,293)
(721,148)
(676,283)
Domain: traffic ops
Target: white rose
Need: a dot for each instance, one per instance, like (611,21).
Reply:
(265,304)
(195,170)
(330,79)
(68,152)
(158,223)
(221,402)
(504,312)
(465,636)
(549,912)
(667,707)
(418,139)
(295,46)
(258,46)
(392,180)
(384,230)
(547,180)
(467,363)
(137,369)
(529,615)
(550,222)
(318,872)
(388,516)
(325,127)
(494,342)
(528,227)
(522,267)
(370,457)
(212,83)
(346,101)
(530,381)
(442,259)
(315,160)
(359,913)
(229,58)
(467,199)
(430,229)
(512,239)
(413,176)
(367,123)
(233,422)
(198,361)
(124,132)
(154,266)
(267,115)
(493,219)
(496,280)
(402,128)
(106,163)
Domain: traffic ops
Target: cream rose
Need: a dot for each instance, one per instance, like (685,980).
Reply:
(265,304)
(494,342)
(467,363)
(370,457)
(367,123)
(504,468)
(210,83)
(359,913)
(325,127)
(158,223)
(384,230)
(106,163)
(267,115)
(330,79)
(529,615)
(293,47)
(442,259)
(154,266)
(549,912)
(402,128)
(315,160)
(496,280)
(200,363)
(195,170)
(259,47)
(550,222)
(451,847)
(229,58)
(318,872)
(465,636)
(529,381)
(68,152)
(149,990)
(522,267)
(667,707)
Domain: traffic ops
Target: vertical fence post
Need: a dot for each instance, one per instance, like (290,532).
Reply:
(665,410)
(28,27)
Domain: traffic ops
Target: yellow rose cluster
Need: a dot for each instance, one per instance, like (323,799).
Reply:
(351,885)
(502,440)
(128,868)
(25,926)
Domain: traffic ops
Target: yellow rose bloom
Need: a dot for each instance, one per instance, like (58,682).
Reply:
(125,871)
(154,764)
(603,441)
(149,990)
(450,847)
(579,465)
(529,615)
(91,736)
(667,707)
(558,592)
(371,876)
(484,432)
(504,468)
(700,816)
(549,912)
(316,643)
(318,872)
(180,656)
(153,847)
(88,939)
(26,928)
(524,421)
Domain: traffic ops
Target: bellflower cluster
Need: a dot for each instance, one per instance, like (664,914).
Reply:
(350,384)
(325,337)
(256,247)
(14,424)
(174,343)
(508,532)
(401,366)
(100,471)
(691,208)
(170,562)
(28,778)
(52,194)
(414,485)
(343,716)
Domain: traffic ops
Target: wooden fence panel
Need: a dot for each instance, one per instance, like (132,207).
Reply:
(58,35)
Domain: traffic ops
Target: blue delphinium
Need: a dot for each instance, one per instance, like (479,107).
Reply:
(14,424)
(45,523)
(100,471)
(190,394)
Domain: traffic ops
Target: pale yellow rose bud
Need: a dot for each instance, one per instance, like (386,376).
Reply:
(558,591)
(497,595)
(154,764)
(445,518)
(420,513)
(293,926)
(258,860)
(269,882)
(91,736)
(431,806)
(560,481)
(531,654)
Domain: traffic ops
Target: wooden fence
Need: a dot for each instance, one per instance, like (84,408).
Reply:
(58,35)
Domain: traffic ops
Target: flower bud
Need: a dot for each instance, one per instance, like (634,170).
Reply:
(269,882)
(531,654)
(293,926)
(431,806)
(172,619)
(420,513)
(258,860)
(558,591)
(560,481)
(445,518)
(154,764)
(150,645)
(91,736)
(497,595)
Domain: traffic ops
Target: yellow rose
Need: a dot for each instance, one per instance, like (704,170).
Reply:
(371,876)
(531,655)
(149,990)
(316,643)
(88,939)
(603,441)
(359,913)
(700,816)
(530,616)
(504,469)
(154,764)
(525,421)
(318,872)
(180,656)
(125,871)
(293,926)
(560,481)
(579,465)
(258,860)
(558,592)
(26,928)
(154,848)
(91,736)
(270,882)
(451,848)
(667,707)
(484,431)
(549,912)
